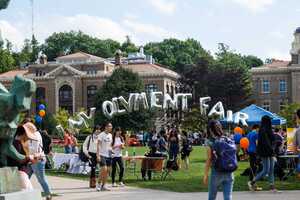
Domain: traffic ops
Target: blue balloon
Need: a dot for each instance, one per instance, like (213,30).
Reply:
(38,119)
(237,138)
(42,107)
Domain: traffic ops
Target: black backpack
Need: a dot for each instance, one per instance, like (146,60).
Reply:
(82,155)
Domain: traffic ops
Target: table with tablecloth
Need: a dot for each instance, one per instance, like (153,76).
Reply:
(76,166)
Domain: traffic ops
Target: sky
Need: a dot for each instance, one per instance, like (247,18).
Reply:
(263,28)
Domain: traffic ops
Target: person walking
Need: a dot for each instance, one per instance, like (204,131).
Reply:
(117,146)
(265,150)
(89,148)
(173,145)
(220,175)
(38,168)
(68,142)
(253,137)
(104,151)
(186,149)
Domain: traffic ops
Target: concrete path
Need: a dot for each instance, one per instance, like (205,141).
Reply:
(71,189)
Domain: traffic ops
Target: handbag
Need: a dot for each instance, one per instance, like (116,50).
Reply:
(82,156)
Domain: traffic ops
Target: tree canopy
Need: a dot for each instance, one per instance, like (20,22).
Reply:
(121,83)
(4,4)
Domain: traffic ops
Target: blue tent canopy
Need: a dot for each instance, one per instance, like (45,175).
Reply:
(255,114)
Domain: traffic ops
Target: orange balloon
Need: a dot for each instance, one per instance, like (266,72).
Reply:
(244,143)
(42,113)
(238,130)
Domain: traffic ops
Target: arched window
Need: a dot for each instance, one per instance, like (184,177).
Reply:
(91,93)
(151,88)
(40,95)
(66,98)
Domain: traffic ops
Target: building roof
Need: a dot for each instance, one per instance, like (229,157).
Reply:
(13,73)
(150,69)
(79,56)
(277,63)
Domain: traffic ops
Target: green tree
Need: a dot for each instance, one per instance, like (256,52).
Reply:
(128,46)
(24,56)
(62,117)
(4,4)
(64,43)
(194,120)
(35,49)
(229,79)
(176,54)
(289,114)
(121,83)
(252,61)
(7,61)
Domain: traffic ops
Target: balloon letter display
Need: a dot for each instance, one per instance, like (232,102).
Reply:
(203,105)
(241,117)
(108,113)
(169,102)
(154,100)
(218,109)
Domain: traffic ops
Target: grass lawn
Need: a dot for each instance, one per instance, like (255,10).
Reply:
(189,180)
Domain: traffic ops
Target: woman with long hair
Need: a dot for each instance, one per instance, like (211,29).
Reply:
(265,150)
(173,144)
(217,178)
(89,148)
(117,145)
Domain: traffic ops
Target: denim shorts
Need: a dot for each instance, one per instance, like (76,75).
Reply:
(105,161)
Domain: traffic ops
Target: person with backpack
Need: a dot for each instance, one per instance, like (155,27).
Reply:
(89,148)
(221,159)
(265,150)
(186,149)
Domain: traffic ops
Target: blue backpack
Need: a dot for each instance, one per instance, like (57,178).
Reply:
(224,155)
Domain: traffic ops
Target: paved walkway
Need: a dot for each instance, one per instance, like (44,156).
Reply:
(71,189)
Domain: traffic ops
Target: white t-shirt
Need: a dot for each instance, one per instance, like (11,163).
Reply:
(117,152)
(105,140)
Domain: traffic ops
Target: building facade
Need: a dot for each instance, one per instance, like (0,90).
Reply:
(72,81)
(278,83)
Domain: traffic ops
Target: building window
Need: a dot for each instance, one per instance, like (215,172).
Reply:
(282,86)
(281,105)
(40,96)
(66,98)
(151,88)
(266,86)
(266,105)
(91,93)
(168,88)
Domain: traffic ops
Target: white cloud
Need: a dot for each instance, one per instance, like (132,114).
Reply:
(255,5)
(11,33)
(164,6)
(149,30)
(277,34)
(95,26)
(278,54)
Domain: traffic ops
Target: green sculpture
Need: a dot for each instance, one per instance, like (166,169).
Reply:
(12,103)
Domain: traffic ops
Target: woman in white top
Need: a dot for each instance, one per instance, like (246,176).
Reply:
(90,150)
(117,146)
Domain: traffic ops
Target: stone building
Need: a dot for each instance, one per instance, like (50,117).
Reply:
(71,81)
(278,83)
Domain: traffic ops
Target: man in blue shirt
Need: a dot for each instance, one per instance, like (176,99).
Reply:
(252,137)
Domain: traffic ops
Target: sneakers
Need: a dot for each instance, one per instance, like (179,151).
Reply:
(274,190)
(104,188)
(250,186)
(114,185)
(98,187)
(121,184)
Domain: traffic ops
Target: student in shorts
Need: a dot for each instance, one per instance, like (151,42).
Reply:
(104,153)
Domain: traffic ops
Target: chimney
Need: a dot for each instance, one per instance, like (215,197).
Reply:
(118,58)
